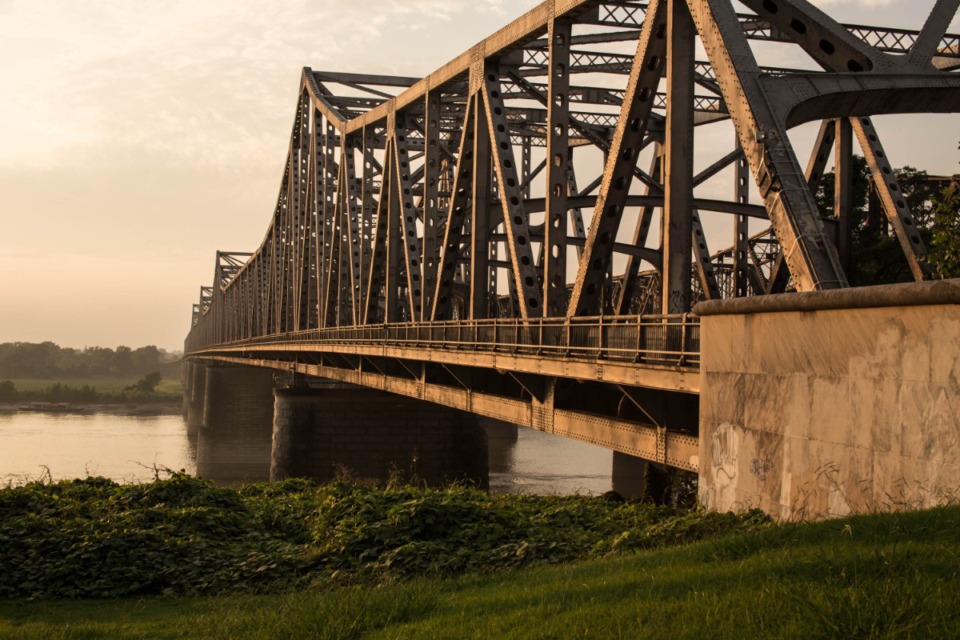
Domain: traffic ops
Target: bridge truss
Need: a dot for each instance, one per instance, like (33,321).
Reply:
(546,178)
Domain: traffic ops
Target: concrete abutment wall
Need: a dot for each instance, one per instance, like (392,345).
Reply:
(821,404)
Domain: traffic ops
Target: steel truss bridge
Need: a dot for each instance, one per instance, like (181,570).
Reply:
(520,234)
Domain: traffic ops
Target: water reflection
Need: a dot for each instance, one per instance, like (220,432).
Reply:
(125,448)
(130,448)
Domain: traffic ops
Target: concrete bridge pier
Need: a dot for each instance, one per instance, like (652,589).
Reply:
(194,393)
(501,440)
(322,432)
(234,441)
(628,475)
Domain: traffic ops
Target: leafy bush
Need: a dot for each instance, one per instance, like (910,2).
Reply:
(95,538)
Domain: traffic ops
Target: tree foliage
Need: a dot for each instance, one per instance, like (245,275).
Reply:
(93,538)
(876,254)
(945,244)
(49,360)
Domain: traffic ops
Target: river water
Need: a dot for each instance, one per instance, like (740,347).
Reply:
(132,448)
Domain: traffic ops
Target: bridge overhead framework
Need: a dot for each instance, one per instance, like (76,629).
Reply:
(522,234)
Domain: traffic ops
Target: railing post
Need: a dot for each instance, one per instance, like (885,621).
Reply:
(600,338)
(636,357)
(683,339)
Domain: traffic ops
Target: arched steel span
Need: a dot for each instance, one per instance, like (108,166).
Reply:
(499,205)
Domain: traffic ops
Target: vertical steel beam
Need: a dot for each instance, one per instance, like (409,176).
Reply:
(478,302)
(431,200)
(741,229)
(554,249)
(843,193)
(408,221)
(677,224)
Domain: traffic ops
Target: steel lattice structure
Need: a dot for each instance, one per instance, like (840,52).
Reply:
(507,187)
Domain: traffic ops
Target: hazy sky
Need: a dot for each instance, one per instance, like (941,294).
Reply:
(137,137)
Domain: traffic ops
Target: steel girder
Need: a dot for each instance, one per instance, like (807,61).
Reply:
(453,196)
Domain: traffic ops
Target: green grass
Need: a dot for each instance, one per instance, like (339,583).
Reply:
(879,576)
(108,384)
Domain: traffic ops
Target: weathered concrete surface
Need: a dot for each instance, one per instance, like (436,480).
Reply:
(816,410)
(366,433)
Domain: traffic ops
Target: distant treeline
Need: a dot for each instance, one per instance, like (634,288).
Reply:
(49,360)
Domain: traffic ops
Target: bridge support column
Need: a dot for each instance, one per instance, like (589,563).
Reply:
(194,393)
(629,475)
(501,440)
(234,442)
(318,433)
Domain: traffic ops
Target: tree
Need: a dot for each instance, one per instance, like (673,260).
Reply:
(945,244)
(146,384)
(8,392)
(876,256)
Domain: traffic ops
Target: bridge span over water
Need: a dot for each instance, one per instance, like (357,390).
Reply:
(524,234)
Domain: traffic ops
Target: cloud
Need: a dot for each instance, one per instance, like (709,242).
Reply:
(191,82)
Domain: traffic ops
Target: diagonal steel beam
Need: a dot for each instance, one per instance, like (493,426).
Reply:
(408,220)
(891,197)
(928,42)
(554,248)
(515,220)
(634,115)
(461,193)
(823,38)
(809,253)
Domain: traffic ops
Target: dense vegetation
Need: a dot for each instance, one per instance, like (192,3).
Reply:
(47,372)
(94,538)
(876,576)
(53,362)
(876,254)
(149,389)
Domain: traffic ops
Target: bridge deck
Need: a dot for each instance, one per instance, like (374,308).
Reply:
(658,352)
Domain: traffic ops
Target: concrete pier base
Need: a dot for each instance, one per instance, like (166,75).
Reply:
(234,443)
(629,475)
(501,441)
(194,392)
(364,433)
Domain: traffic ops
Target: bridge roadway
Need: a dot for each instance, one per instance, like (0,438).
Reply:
(636,377)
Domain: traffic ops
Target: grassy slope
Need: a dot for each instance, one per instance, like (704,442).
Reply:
(867,577)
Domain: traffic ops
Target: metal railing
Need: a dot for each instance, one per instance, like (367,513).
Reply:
(661,339)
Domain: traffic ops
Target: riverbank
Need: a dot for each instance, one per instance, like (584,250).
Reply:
(878,576)
(168,408)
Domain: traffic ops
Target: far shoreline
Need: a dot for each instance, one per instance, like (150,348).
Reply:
(117,409)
